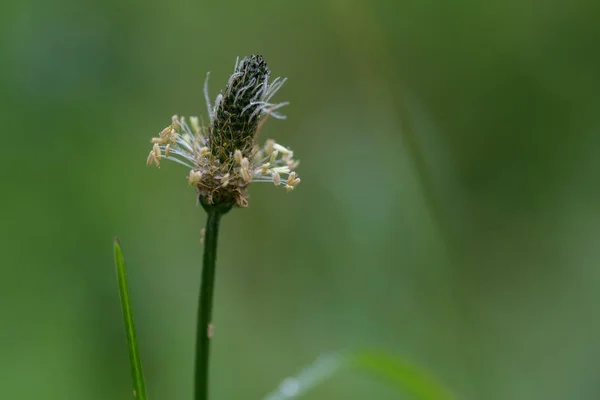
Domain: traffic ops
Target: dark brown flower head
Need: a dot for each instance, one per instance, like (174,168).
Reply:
(237,113)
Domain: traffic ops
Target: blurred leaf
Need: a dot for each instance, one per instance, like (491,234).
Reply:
(405,376)
(139,387)
(322,369)
(401,374)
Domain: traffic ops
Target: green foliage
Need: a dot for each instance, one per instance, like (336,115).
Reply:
(398,373)
(139,387)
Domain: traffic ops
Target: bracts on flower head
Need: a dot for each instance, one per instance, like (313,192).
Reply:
(224,157)
(235,122)
(237,111)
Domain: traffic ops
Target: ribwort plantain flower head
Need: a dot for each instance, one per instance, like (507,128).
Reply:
(225,157)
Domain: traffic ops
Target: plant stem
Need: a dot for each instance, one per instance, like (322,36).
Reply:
(205,300)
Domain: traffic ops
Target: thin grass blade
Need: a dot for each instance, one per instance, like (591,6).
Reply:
(405,376)
(139,387)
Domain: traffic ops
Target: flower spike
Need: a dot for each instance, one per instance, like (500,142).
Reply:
(224,158)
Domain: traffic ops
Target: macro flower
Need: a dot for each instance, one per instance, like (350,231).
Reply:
(225,157)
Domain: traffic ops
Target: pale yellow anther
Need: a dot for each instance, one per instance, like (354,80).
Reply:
(269,146)
(291,177)
(281,170)
(225,180)
(195,124)
(152,159)
(276,178)
(237,155)
(167,135)
(264,168)
(282,149)
(293,164)
(211,176)
(156,150)
(194,177)
(246,176)
(166,131)
(287,157)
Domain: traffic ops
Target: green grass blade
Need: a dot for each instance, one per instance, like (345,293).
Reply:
(139,387)
(406,377)
(400,374)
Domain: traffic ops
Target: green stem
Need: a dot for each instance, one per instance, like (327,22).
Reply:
(205,300)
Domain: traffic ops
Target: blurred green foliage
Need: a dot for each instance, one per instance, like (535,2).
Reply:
(448,210)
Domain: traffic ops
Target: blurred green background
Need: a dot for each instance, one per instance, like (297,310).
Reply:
(449,209)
